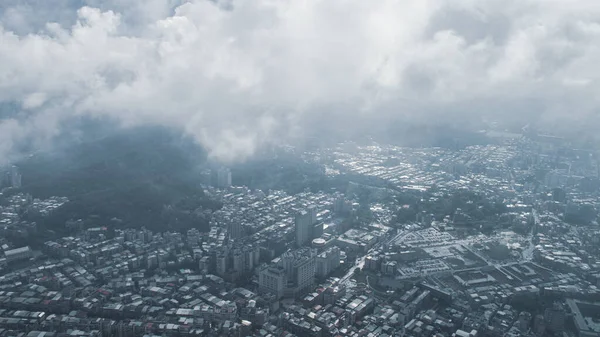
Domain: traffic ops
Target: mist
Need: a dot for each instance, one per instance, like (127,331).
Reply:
(240,75)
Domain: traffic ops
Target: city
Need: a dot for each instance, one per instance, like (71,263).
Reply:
(488,240)
(299,168)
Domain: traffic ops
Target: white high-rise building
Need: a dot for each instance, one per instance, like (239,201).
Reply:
(297,268)
(327,261)
(305,274)
(272,279)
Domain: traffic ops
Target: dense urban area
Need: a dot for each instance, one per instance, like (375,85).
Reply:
(498,239)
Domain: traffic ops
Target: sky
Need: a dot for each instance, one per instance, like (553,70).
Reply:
(238,75)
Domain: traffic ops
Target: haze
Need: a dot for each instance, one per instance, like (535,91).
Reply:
(238,75)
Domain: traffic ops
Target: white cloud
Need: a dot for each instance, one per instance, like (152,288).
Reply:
(34,100)
(238,74)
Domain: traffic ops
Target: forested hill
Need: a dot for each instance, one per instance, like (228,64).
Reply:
(131,175)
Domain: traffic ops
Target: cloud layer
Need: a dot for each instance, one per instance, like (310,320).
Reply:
(236,75)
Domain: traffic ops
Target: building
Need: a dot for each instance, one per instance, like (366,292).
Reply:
(539,326)
(461,333)
(319,243)
(17,254)
(205,177)
(222,265)
(15,177)
(307,226)
(524,321)
(312,211)
(357,240)
(223,178)
(303,224)
(555,318)
(327,261)
(251,257)
(339,205)
(236,260)
(317,230)
(272,279)
(234,228)
(583,315)
(238,265)
(298,268)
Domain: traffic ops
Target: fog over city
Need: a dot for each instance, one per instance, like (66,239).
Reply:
(237,75)
(299,168)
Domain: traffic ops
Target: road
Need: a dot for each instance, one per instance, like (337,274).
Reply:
(361,262)
(528,252)
(474,252)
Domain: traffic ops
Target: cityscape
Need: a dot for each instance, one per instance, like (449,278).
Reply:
(299,168)
(489,240)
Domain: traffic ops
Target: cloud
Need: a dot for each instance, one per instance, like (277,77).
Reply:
(237,75)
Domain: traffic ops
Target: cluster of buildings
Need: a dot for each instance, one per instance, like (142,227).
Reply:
(133,284)
(17,226)
(491,240)
(290,274)
(253,228)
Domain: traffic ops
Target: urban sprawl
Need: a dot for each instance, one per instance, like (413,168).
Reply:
(489,240)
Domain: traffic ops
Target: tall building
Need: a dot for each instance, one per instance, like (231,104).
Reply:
(238,261)
(223,178)
(222,265)
(312,210)
(307,227)
(298,268)
(555,318)
(317,230)
(303,224)
(339,204)
(327,261)
(251,256)
(234,228)
(15,177)
(205,177)
(6,181)
(272,279)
